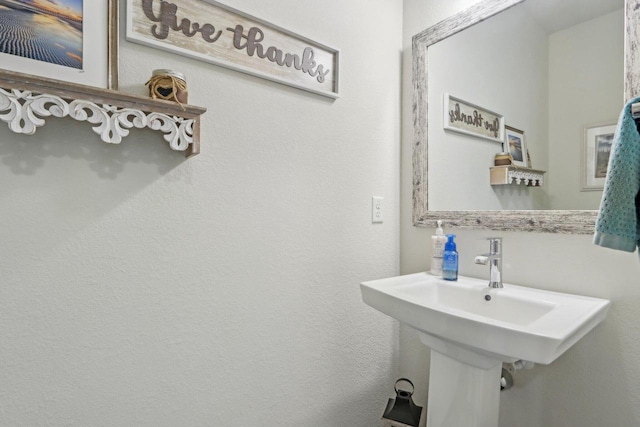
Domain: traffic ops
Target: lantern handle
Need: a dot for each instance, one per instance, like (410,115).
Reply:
(395,387)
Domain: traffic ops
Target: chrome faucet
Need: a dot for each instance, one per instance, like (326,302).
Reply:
(494,258)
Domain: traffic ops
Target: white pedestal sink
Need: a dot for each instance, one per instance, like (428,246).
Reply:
(472,329)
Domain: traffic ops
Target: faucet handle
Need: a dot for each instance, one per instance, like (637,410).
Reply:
(481,259)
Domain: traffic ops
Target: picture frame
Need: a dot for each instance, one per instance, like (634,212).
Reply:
(596,148)
(514,144)
(80,48)
(470,119)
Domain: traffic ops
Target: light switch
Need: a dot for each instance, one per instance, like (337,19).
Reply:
(376,209)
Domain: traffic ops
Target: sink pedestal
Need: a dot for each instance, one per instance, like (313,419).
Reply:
(462,395)
(464,386)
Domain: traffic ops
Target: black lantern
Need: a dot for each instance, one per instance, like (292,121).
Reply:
(401,411)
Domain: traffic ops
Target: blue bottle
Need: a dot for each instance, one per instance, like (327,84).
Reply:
(450,259)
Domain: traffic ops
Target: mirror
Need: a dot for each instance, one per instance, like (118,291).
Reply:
(540,105)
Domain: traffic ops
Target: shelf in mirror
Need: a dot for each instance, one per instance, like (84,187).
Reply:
(26,100)
(511,174)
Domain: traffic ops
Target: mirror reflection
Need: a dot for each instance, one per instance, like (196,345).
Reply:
(554,70)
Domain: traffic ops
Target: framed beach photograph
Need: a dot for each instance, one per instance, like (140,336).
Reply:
(71,40)
(514,145)
(596,149)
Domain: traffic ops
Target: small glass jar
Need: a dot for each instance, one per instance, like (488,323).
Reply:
(169,85)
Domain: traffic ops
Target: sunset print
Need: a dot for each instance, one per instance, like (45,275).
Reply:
(43,30)
(515,148)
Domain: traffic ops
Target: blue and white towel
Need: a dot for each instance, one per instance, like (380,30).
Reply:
(618,223)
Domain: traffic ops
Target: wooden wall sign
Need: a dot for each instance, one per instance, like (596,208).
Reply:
(215,33)
(465,117)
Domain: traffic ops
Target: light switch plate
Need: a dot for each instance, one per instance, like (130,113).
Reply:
(377,214)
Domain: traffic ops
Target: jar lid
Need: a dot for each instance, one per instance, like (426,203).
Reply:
(165,72)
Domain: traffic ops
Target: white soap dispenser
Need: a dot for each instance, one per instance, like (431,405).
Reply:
(438,241)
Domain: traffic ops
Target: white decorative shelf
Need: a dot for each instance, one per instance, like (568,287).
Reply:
(26,100)
(504,175)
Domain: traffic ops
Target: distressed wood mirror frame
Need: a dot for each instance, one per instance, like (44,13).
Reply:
(544,221)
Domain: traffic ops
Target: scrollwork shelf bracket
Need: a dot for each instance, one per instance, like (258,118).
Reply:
(26,101)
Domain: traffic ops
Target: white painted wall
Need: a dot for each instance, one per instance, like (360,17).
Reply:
(143,289)
(597,382)
(505,78)
(585,89)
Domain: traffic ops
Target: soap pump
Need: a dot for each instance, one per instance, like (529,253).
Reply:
(450,259)
(437,249)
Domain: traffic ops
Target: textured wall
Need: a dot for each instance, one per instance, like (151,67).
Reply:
(143,289)
(585,63)
(597,382)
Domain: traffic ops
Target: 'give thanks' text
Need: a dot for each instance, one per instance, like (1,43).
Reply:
(251,42)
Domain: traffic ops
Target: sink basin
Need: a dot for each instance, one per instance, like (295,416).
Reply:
(508,324)
(472,329)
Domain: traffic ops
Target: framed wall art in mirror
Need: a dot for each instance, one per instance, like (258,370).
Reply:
(470,119)
(69,40)
(514,145)
(570,221)
(596,148)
